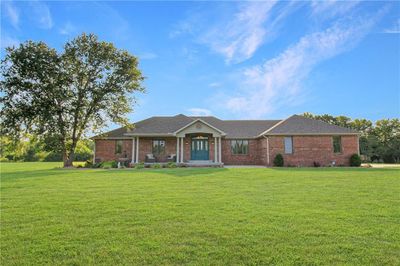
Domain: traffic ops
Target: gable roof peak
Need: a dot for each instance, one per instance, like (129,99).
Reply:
(178,116)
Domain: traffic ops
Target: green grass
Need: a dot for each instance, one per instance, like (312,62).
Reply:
(199,216)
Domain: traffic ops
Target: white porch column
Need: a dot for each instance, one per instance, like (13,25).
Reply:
(182,141)
(220,151)
(215,150)
(133,150)
(137,149)
(177,149)
(268,151)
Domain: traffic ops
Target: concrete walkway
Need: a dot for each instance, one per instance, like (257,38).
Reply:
(381,165)
(244,166)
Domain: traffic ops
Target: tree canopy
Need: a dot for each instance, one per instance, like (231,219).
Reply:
(61,96)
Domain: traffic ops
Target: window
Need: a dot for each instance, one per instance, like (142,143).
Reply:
(118,146)
(158,146)
(337,144)
(239,146)
(288,145)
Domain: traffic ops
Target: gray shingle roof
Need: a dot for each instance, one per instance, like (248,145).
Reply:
(163,125)
(243,128)
(167,125)
(297,124)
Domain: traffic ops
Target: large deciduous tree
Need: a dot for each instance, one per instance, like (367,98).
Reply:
(62,96)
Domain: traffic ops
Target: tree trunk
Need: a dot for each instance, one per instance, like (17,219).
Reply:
(68,159)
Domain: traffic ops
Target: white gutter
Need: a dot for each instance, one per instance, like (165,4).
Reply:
(313,134)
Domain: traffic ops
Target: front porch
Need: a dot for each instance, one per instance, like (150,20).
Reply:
(197,144)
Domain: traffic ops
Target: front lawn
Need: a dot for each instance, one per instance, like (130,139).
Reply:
(199,216)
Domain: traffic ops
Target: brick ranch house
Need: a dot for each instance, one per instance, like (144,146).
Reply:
(211,141)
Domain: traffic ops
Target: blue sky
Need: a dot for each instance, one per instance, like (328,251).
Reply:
(238,60)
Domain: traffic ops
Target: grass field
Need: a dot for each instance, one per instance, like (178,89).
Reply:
(199,216)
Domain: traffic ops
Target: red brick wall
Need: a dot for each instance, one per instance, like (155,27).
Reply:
(252,158)
(310,149)
(307,150)
(105,150)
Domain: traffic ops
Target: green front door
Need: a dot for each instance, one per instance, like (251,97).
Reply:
(199,149)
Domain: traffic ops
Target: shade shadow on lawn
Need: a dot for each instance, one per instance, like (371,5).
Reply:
(184,172)
(58,172)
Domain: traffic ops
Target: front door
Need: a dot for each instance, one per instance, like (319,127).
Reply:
(199,149)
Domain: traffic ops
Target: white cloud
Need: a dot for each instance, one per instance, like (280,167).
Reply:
(395,29)
(238,39)
(236,30)
(190,54)
(12,13)
(278,81)
(214,84)
(68,29)
(332,8)
(182,27)
(199,112)
(41,14)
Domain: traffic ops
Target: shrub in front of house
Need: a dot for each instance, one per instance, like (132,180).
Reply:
(278,161)
(355,160)
(88,164)
(139,166)
(110,164)
(156,166)
(98,165)
(171,165)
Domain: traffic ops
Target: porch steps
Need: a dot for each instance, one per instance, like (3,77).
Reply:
(202,163)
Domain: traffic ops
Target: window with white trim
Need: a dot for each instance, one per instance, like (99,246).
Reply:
(288,145)
(158,146)
(337,144)
(118,146)
(240,146)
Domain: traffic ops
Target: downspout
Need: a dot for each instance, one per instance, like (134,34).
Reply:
(267,149)
(94,152)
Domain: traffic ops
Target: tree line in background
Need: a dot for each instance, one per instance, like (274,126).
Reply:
(31,149)
(379,141)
